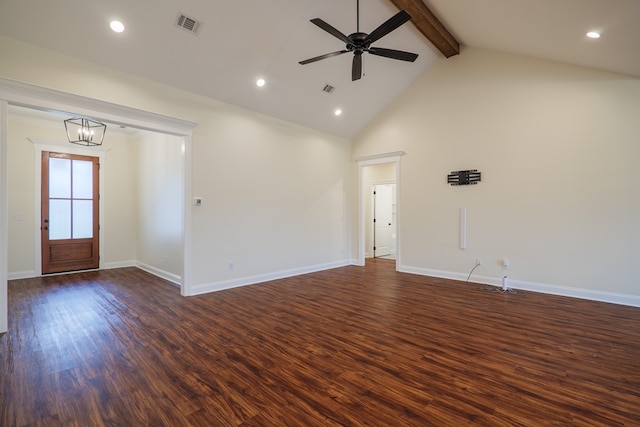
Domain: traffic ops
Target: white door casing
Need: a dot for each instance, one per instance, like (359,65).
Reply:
(363,162)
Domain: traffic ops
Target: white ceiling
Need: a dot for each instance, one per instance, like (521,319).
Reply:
(242,40)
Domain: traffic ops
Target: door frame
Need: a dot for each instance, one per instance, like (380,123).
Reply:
(13,92)
(61,147)
(363,162)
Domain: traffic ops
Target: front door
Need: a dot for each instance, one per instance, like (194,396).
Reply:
(70,207)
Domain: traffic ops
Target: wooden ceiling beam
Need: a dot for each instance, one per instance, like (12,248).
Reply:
(429,25)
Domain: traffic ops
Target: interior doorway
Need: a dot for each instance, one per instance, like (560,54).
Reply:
(382,169)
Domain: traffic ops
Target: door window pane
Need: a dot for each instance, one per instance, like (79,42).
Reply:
(59,219)
(82,180)
(82,219)
(59,178)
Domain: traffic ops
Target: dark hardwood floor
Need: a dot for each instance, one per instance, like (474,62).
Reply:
(353,346)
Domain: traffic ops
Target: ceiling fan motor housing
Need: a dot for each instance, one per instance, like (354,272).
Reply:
(358,42)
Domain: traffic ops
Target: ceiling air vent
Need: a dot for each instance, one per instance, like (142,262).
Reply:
(328,88)
(188,24)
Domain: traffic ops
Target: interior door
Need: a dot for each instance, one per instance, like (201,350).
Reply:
(70,208)
(383,219)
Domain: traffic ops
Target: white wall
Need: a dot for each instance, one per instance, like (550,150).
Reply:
(276,195)
(557,146)
(22,220)
(160,185)
(120,200)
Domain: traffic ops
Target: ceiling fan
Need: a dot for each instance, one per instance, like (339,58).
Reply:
(358,42)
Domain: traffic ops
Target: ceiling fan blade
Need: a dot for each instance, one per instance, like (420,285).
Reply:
(329,29)
(389,25)
(325,56)
(393,54)
(356,69)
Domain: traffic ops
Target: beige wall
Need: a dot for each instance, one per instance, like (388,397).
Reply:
(22,216)
(557,146)
(120,200)
(160,183)
(276,198)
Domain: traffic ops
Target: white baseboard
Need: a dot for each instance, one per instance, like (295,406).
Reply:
(111,265)
(159,272)
(252,280)
(32,273)
(601,296)
(174,278)
(119,264)
(21,275)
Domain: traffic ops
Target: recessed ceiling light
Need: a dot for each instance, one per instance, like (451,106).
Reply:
(117,26)
(593,35)
(260,82)
(337,112)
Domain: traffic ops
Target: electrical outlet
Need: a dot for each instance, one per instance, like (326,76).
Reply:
(478,261)
(231,265)
(505,264)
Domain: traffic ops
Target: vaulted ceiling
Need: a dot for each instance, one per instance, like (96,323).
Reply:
(241,41)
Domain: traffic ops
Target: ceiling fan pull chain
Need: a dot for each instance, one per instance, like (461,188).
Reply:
(364,67)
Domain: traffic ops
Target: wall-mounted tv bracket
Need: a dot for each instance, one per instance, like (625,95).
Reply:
(467,177)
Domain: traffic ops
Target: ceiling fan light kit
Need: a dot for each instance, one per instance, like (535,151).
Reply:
(359,43)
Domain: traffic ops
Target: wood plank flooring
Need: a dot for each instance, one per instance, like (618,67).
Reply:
(353,346)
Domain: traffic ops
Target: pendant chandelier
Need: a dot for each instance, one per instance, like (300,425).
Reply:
(85,132)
